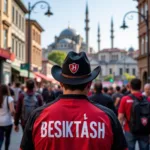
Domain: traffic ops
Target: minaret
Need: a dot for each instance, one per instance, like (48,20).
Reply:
(112,33)
(98,35)
(87,28)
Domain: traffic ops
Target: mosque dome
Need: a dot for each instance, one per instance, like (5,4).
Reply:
(68,32)
(131,49)
(65,41)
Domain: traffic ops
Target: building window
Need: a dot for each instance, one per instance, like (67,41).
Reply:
(34,35)
(133,71)
(145,9)
(20,51)
(127,70)
(20,21)
(22,24)
(114,57)
(142,12)
(12,45)
(103,57)
(120,71)
(110,71)
(23,52)
(5,38)
(16,49)
(5,6)
(13,14)
(16,17)
(142,46)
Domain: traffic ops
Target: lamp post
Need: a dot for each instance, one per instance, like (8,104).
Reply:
(30,9)
(146,20)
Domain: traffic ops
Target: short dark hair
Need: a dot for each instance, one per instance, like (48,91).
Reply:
(80,87)
(30,84)
(17,84)
(118,88)
(98,87)
(105,89)
(111,88)
(136,84)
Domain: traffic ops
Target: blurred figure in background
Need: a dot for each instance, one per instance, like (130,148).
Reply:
(11,90)
(17,91)
(147,90)
(105,91)
(128,89)
(117,97)
(27,102)
(123,90)
(110,91)
(58,91)
(6,112)
(48,94)
(101,98)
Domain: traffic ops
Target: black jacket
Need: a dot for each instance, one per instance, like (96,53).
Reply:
(48,96)
(104,100)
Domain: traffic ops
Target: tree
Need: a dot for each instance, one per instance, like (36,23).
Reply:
(57,56)
(128,76)
(109,78)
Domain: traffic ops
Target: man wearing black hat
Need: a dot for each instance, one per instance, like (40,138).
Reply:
(72,122)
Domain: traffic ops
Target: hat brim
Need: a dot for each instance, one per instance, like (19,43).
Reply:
(57,74)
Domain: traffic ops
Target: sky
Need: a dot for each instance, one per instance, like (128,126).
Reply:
(72,12)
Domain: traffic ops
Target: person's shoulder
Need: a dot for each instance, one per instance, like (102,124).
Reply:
(107,111)
(10,99)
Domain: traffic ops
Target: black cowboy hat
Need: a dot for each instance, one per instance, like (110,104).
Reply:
(76,70)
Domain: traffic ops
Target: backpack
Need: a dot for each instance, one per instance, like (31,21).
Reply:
(139,123)
(30,102)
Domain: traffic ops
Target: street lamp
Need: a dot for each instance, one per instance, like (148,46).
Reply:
(146,20)
(30,9)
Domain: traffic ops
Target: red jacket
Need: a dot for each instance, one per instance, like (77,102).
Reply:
(72,122)
(126,106)
(19,107)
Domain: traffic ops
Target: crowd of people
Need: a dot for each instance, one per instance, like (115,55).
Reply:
(72,114)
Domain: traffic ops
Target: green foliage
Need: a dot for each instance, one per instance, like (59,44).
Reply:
(110,78)
(57,57)
(128,76)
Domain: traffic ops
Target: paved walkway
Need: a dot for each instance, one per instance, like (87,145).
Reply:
(17,136)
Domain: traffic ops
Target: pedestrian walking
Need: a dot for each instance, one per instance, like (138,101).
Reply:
(147,90)
(101,98)
(134,109)
(117,97)
(27,102)
(72,122)
(17,91)
(48,94)
(58,91)
(6,112)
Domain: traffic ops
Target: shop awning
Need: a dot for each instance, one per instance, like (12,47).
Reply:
(5,53)
(23,73)
(39,75)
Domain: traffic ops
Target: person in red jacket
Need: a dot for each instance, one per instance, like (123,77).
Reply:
(124,116)
(72,122)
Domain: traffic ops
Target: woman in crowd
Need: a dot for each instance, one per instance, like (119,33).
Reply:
(6,112)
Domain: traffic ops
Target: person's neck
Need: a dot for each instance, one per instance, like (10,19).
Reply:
(75,92)
(133,91)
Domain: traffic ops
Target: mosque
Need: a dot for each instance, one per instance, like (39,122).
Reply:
(70,40)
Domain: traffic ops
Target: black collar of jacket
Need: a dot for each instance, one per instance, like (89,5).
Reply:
(73,96)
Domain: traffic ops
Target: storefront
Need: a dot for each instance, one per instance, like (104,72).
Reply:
(6,57)
(19,74)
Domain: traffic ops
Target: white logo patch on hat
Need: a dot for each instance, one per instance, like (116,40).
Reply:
(144,121)
(73,67)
